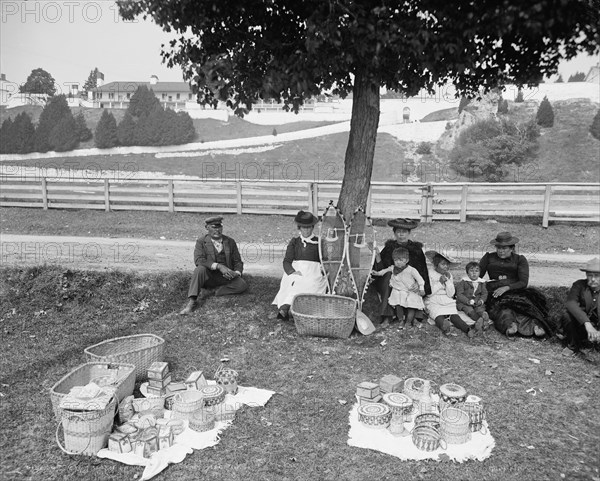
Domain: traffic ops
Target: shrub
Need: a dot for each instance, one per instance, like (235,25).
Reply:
(21,134)
(274,132)
(143,102)
(424,148)
(83,131)
(105,136)
(502,106)
(126,130)
(577,77)
(6,137)
(545,114)
(464,101)
(519,97)
(65,135)
(54,111)
(559,80)
(595,127)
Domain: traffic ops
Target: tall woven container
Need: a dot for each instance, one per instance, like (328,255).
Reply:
(83,374)
(323,315)
(140,350)
(86,432)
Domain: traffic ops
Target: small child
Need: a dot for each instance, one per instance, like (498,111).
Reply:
(471,295)
(408,287)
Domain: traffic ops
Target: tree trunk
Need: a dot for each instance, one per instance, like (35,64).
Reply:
(358,163)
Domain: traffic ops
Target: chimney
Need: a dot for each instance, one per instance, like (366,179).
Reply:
(100,79)
(153,79)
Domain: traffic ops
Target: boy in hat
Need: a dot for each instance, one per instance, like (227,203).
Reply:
(219,266)
(416,258)
(580,321)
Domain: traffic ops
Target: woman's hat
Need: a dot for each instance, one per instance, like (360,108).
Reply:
(432,254)
(305,219)
(504,239)
(593,265)
(408,224)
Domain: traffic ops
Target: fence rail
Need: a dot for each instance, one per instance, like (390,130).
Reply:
(428,201)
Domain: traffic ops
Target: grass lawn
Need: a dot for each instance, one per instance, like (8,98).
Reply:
(49,315)
(474,234)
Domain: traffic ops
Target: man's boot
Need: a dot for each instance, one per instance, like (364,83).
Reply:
(189,308)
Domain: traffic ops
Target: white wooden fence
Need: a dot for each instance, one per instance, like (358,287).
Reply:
(427,201)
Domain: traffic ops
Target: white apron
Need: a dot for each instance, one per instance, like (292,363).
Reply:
(312,281)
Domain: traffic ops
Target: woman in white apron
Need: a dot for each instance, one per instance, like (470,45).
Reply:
(301,265)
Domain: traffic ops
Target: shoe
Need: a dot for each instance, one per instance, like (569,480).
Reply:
(486,321)
(189,308)
(283,315)
(402,325)
(568,352)
(418,324)
(206,293)
(446,327)
(512,330)
(471,333)
(479,325)
(538,331)
(385,322)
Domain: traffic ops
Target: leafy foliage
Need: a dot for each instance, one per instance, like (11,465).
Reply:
(519,97)
(595,127)
(464,101)
(126,130)
(577,77)
(490,149)
(6,137)
(559,80)
(54,111)
(545,114)
(424,148)
(39,82)
(142,102)
(91,82)
(83,132)
(502,106)
(105,136)
(65,135)
(17,137)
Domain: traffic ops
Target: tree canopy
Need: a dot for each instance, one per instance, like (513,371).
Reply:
(91,82)
(39,82)
(240,52)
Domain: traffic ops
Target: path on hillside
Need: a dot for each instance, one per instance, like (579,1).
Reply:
(263,259)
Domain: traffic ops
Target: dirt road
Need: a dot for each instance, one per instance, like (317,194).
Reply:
(147,255)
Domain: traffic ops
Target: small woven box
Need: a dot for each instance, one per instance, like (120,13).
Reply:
(202,421)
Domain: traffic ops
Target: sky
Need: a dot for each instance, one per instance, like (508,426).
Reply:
(69,39)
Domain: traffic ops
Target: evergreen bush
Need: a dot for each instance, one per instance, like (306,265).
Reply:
(545,114)
(105,136)
(65,135)
(424,148)
(126,130)
(22,134)
(595,127)
(83,132)
(54,111)
(519,97)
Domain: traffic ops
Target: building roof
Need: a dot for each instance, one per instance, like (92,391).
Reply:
(130,87)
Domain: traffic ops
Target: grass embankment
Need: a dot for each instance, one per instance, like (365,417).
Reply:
(49,316)
(473,235)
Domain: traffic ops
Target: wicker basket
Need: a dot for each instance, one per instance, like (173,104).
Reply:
(86,432)
(186,403)
(83,374)
(323,315)
(140,350)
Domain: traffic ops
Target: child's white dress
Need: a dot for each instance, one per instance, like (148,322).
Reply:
(401,284)
(441,301)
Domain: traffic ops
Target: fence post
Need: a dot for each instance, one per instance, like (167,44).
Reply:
(309,186)
(238,186)
(315,198)
(546,214)
(44,193)
(106,195)
(171,200)
(427,203)
(369,200)
(463,203)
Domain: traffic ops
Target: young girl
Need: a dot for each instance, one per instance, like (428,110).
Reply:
(441,305)
(471,294)
(407,287)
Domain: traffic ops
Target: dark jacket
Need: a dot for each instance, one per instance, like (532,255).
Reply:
(206,255)
(465,292)
(579,302)
(512,272)
(296,251)
(416,259)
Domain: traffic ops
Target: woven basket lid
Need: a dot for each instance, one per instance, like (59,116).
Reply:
(452,390)
(373,410)
(452,416)
(397,400)
(212,391)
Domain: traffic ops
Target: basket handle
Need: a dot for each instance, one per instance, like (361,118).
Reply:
(445,446)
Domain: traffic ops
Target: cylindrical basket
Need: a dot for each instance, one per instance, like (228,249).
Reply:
(85,373)
(228,379)
(186,403)
(427,438)
(213,394)
(454,425)
(375,415)
(140,350)
(452,395)
(202,421)
(86,432)
(323,315)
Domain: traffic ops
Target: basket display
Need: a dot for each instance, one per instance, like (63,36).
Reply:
(86,432)
(186,403)
(91,371)
(374,415)
(202,421)
(323,315)
(140,350)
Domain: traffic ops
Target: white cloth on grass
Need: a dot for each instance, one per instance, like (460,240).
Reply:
(188,440)
(478,448)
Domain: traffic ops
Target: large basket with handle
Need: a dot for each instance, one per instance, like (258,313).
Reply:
(140,350)
(324,315)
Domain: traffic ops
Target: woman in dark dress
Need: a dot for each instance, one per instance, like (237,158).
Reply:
(416,258)
(512,306)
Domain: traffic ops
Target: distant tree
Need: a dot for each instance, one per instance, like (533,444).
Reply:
(105,136)
(143,102)
(54,111)
(502,106)
(424,148)
(577,77)
(545,114)
(519,97)
(559,80)
(464,101)
(595,127)
(65,135)
(6,137)
(126,130)
(22,134)
(91,83)
(39,82)
(83,132)
(185,128)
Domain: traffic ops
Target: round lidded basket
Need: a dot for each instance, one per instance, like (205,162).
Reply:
(202,421)
(374,415)
(415,388)
(427,438)
(212,394)
(186,403)
(452,395)
(227,378)
(399,404)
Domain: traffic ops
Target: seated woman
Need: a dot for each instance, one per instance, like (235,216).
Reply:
(512,306)
(302,266)
(416,258)
(440,304)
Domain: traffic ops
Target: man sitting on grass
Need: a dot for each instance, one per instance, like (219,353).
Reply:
(219,266)
(580,322)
